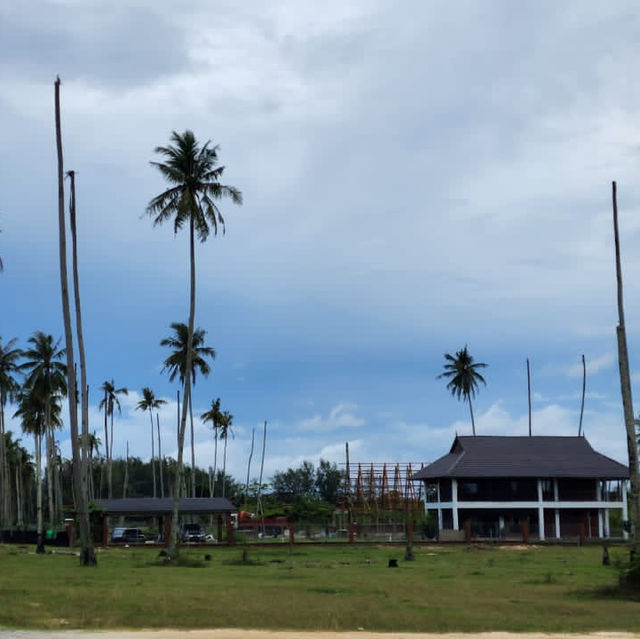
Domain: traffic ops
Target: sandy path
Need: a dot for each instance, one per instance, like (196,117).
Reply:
(293,634)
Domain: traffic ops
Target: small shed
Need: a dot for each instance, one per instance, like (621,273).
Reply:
(162,510)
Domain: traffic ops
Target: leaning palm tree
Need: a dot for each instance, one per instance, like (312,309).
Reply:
(193,174)
(176,365)
(462,373)
(9,369)
(149,402)
(46,376)
(213,415)
(109,403)
(225,431)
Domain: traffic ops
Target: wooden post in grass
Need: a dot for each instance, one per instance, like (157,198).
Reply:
(351,532)
(525,531)
(582,534)
(230,539)
(467,531)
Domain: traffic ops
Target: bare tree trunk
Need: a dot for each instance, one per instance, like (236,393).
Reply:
(172,550)
(87,554)
(81,352)
(160,459)
(627,401)
(49,469)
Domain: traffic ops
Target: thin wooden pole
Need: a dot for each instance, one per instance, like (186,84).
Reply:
(584,388)
(529,393)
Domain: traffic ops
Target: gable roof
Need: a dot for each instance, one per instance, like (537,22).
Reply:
(164,506)
(560,457)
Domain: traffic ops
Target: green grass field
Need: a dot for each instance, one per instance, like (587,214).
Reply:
(446,588)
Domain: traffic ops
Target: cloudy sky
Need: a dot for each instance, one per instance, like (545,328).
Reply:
(417,176)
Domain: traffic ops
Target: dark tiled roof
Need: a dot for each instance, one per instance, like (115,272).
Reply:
(151,506)
(523,457)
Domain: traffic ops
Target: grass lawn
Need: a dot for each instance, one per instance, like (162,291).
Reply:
(446,588)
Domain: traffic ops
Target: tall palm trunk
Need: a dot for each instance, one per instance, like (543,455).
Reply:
(50,462)
(87,554)
(110,460)
(125,483)
(153,455)
(81,353)
(19,491)
(5,494)
(224,468)
(106,436)
(215,461)
(38,445)
(473,424)
(193,452)
(160,459)
(172,550)
(627,401)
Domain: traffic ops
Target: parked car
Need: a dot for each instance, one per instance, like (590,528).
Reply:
(127,536)
(192,532)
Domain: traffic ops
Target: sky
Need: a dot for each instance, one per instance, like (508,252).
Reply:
(417,177)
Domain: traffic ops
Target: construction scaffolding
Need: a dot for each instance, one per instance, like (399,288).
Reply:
(382,487)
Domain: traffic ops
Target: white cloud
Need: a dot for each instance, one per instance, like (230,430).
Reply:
(341,416)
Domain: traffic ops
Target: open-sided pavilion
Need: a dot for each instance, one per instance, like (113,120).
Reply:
(162,510)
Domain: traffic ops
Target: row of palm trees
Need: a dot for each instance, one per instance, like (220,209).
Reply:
(39,406)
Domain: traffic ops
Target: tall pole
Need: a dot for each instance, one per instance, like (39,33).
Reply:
(529,393)
(625,388)
(584,388)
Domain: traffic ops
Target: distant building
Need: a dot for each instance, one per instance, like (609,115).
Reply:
(559,485)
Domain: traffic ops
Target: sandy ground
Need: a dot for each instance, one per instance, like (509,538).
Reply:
(264,634)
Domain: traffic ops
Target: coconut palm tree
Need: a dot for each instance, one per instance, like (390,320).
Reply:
(214,416)
(225,430)
(193,174)
(37,412)
(9,369)
(109,403)
(46,376)
(462,373)
(149,402)
(176,365)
